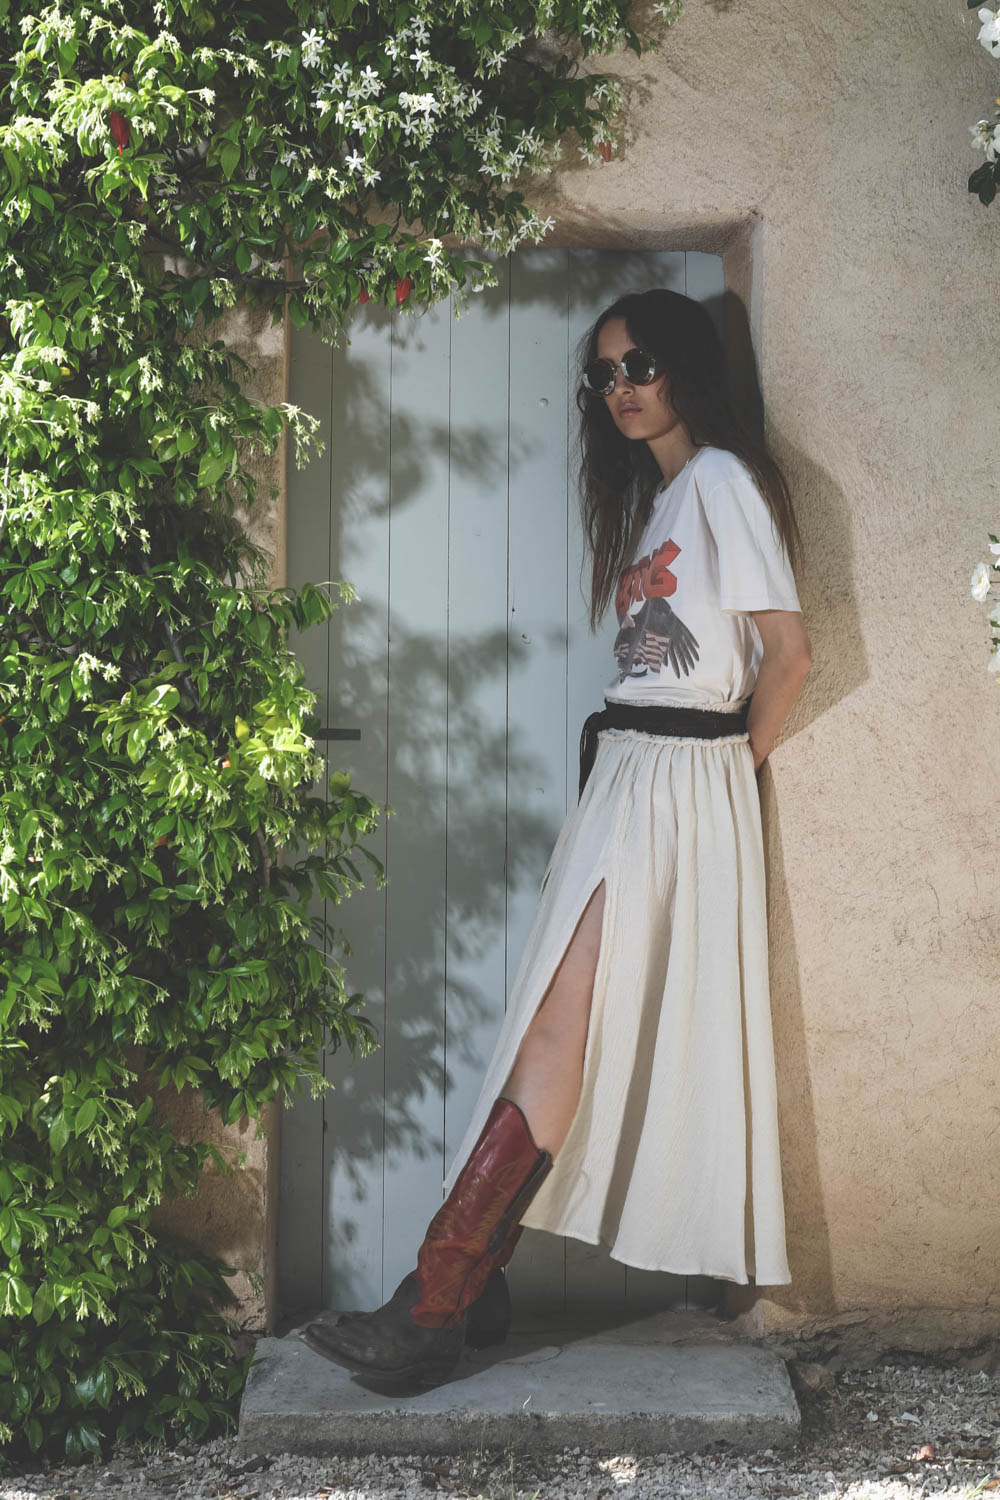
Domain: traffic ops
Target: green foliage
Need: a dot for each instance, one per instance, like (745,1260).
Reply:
(164,828)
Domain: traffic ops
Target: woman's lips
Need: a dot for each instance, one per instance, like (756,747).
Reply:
(629,411)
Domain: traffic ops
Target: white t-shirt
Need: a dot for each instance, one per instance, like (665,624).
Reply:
(709,554)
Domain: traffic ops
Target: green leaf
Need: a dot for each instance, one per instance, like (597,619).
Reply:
(10,1232)
(139,737)
(229,155)
(97,1385)
(59,1134)
(42,1306)
(211,470)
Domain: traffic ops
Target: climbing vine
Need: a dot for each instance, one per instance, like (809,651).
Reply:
(168,829)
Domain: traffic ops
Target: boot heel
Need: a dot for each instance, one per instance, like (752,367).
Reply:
(487,1320)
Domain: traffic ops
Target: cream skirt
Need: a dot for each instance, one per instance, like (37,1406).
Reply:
(672,1158)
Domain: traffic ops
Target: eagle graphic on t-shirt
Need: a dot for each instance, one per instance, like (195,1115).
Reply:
(654,633)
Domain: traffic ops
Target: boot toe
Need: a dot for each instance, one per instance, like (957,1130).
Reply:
(386,1344)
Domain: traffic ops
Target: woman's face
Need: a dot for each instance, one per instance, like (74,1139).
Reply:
(639,411)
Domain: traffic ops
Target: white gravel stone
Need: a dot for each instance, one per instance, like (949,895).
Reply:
(842,1455)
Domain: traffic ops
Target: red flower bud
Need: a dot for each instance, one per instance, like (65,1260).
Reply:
(605,150)
(403,288)
(120,130)
(364,295)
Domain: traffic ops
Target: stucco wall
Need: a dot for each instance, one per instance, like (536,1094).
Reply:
(824,150)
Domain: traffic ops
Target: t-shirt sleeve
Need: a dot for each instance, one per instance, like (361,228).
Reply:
(754,571)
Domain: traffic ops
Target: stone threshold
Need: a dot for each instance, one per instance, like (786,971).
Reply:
(667,1382)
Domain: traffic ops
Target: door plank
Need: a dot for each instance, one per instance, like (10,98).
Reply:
(418,705)
(354,1123)
(536,753)
(477,700)
(302,1210)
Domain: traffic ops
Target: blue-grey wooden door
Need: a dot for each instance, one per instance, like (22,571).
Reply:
(446,495)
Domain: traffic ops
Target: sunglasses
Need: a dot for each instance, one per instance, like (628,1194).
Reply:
(638,367)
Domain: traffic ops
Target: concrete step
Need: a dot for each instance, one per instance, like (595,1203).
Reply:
(667,1382)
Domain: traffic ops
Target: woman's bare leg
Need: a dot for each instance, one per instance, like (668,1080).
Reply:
(548,1070)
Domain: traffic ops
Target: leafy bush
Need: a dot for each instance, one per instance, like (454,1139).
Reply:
(162,834)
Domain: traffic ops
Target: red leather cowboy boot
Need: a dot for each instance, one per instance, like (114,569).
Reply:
(417,1336)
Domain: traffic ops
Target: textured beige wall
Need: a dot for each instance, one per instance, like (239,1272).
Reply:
(824,151)
(836,137)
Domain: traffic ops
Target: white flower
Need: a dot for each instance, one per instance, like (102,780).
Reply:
(355,161)
(422,58)
(369,82)
(989,32)
(391,47)
(434,252)
(985,138)
(995,549)
(993,665)
(312,48)
(149,379)
(980,582)
(425,102)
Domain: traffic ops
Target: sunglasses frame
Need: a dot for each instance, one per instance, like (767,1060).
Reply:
(617,365)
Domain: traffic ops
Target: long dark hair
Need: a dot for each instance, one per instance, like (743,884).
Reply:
(619,476)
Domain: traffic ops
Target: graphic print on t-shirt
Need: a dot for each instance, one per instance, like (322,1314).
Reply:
(649,631)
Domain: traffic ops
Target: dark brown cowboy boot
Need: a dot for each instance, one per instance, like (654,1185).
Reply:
(487,1320)
(417,1336)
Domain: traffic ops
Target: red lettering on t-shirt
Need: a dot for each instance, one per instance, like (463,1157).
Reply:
(649,578)
(661,581)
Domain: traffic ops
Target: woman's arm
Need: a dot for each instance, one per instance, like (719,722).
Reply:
(783,669)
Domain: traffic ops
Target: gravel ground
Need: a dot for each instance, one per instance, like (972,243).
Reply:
(881,1427)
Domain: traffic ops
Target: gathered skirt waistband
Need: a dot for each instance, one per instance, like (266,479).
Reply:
(663,719)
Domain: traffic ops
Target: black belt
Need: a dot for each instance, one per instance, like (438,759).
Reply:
(664,719)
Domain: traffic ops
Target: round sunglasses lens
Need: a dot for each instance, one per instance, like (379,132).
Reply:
(639,367)
(599,376)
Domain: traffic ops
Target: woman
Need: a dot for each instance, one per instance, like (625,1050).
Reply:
(636,1051)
